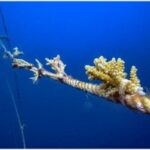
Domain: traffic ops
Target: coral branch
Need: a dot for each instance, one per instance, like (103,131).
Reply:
(115,86)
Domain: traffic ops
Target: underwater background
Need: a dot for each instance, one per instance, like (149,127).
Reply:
(56,115)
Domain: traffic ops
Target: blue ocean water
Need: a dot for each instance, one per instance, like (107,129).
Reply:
(59,116)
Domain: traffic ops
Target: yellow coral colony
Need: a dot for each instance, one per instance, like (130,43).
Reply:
(114,84)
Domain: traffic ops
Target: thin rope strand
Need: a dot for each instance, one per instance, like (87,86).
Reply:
(21,125)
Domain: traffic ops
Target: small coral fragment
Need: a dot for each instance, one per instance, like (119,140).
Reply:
(8,54)
(21,63)
(37,71)
(57,65)
(35,77)
(17,52)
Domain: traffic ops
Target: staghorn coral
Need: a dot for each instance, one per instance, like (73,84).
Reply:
(114,84)
(111,73)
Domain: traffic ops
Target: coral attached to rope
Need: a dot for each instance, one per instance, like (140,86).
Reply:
(115,86)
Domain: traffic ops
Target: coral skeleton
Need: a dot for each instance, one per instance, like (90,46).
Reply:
(114,85)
